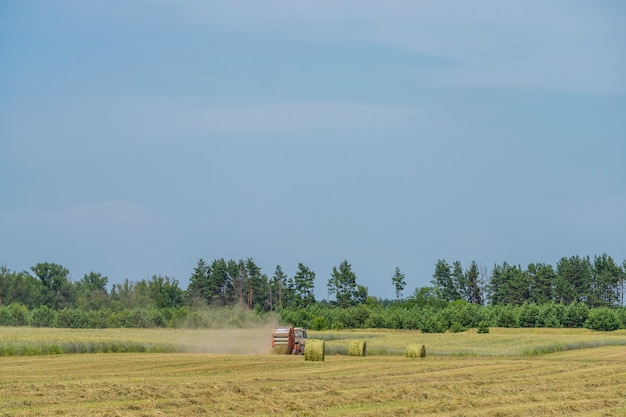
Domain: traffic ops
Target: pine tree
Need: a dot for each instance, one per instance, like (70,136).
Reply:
(473,289)
(345,284)
(304,283)
(398,282)
(442,279)
(460,281)
(197,289)
(279,284)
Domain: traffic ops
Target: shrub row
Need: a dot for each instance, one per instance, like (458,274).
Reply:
(457,316)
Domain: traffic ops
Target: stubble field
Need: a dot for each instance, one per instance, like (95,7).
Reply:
(507,372)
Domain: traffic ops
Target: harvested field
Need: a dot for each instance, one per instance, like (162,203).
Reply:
(589,382)
(583,382)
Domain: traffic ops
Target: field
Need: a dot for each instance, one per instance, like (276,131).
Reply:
(508,372)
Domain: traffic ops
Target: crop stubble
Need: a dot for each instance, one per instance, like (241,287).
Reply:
(582,382)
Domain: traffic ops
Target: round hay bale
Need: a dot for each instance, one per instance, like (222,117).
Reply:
(357,348)
(314,350)
(416,351)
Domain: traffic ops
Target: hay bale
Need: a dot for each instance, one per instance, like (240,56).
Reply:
(314,350)
(357,348)
(416,351)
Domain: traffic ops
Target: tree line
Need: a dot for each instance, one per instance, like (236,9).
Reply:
(48,290)
(596,282)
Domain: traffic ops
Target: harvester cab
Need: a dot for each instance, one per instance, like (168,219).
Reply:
(300,340)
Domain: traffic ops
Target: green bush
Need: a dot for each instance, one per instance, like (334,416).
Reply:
(603,319)
(575,315)
(375,321)
(5,316)
(98,319)
(43,316)
(71,318)
(319,323)
(20,316)
(14,315)
(507,317)
(457,328)
(433,324)
(528,316)
(483,327)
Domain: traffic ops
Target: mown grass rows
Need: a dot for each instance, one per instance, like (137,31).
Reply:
(589,382)
(17,341)
(43,348)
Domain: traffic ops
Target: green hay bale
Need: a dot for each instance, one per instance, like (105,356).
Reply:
(416,351)
(357,348)
(314,350)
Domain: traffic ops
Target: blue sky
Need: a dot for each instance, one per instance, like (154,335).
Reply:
(139,136)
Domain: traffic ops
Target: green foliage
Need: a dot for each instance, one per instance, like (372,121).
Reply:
(198,284)
(433,324)
(575,315)
(72,319)
(603,319)
(19,287)
(483,327)
(91,292)
(14,315)
(529,316)
(427,297)
(376,320)
(57,289)
(444,282)
(342,284)
(165,292)
(303,285)
(507,316)
(43,316)
(398,282)
(319,323)
(456,327)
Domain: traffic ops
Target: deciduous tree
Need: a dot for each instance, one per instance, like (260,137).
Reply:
(57,291)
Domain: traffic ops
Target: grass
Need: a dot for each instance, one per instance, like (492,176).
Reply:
(508,372)
(588,382)
(499,342)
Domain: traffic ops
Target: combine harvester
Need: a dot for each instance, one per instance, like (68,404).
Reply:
(289,340)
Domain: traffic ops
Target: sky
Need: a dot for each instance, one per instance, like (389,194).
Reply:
(137,137)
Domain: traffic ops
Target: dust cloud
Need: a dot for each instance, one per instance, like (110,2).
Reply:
(243,341)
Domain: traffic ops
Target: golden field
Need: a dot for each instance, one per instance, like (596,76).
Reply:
(506,375)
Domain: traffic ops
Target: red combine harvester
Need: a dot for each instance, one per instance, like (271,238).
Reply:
(289,340)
